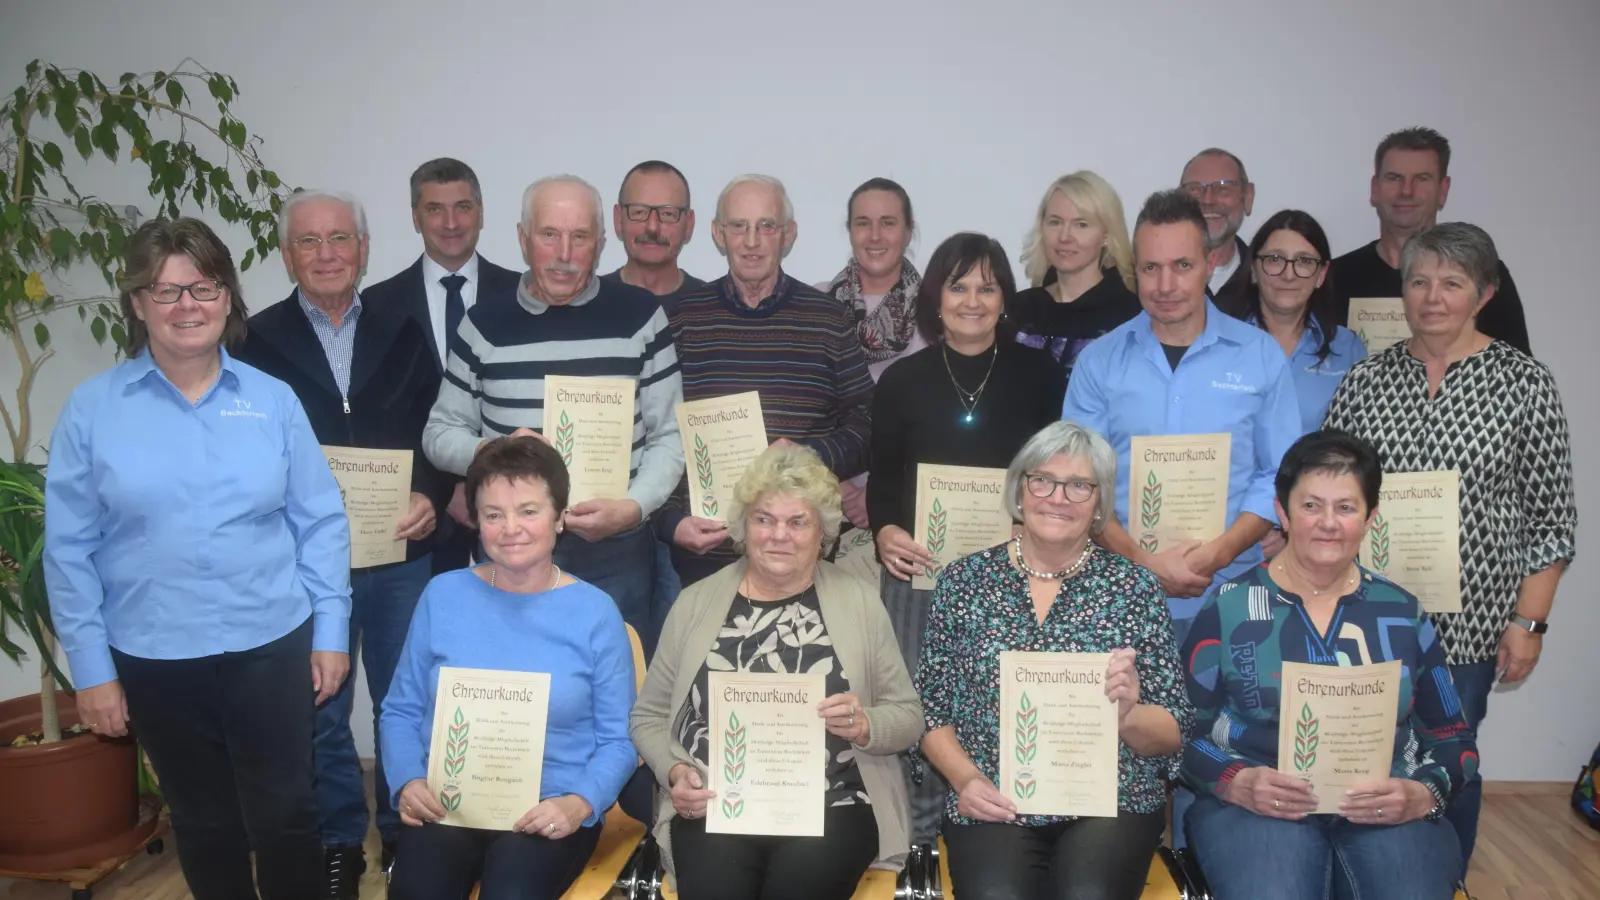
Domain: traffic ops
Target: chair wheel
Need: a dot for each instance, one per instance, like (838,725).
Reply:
(155,847)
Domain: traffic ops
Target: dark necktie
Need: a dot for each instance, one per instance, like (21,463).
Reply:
(455,308)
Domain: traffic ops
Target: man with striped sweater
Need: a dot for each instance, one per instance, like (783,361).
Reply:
(566,321)
(757,329)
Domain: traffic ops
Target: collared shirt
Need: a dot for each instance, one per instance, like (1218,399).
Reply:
(431,273)
(338,341)
(1233,379)
(1315,380)
(176,530)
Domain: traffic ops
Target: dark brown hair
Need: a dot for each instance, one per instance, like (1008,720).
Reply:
(152,245)
(959,254)
(881,184)
(1417,138)
(518,459)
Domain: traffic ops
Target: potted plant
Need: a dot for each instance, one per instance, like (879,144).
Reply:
(72,800)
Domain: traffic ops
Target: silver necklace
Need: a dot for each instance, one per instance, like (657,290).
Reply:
(553,582)
(1022,564)
(1342,587)
(969,399)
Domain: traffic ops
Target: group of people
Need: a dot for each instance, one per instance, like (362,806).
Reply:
(197,550)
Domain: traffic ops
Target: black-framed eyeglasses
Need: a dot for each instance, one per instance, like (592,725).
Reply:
(165,292)
(640,212)
(1304,266)
(1222,187)
(1075,489)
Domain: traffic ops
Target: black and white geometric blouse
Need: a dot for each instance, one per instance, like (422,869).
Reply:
(1497,420)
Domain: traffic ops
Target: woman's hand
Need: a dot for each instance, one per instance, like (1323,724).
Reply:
(843,716)
(979,799)
(1518,654)
(1122,683)
(419,520)
(103,709)
(854,501)
(328,669)
(902,556)
(418,804)
(555,818)
(1268,792)
(1386,801)
(689,798)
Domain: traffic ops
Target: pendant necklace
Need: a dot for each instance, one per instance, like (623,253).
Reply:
(1344,585)
(969,399)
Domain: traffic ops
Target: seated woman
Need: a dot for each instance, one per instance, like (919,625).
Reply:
(522,613)
(781,609)
(1051,588)
(1252,828)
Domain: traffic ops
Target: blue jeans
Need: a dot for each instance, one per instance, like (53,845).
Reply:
(1473,682)
(667,587)
(382,601)
(1246,856)
(624,566)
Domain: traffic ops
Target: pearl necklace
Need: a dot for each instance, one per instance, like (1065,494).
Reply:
(1022,564)
(553,582)
(1347,583)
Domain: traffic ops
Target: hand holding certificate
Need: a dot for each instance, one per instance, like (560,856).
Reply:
(768,754)
(960,510)
(1336,726)
(1058,734)
(375,486)
(486,758)
(590,423)
(720,438)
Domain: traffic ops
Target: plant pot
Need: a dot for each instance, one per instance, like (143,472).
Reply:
(68,804)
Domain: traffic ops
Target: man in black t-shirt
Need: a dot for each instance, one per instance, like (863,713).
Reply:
(1410,183)
(653,221)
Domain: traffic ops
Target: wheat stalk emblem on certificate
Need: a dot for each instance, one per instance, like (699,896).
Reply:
(455,759)
(564,438)
(1379,541)
(733,747)
(1149,510)
(937,518)
(1027,747)
(702,468)
(1305,739)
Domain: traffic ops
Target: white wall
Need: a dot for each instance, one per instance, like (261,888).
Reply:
(974,107)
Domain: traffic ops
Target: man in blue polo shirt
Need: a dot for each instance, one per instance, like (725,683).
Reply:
(1182,367)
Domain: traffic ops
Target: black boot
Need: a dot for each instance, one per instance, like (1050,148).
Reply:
(344,867)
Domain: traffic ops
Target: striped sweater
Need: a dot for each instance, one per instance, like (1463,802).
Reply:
(799,349)
(498,360)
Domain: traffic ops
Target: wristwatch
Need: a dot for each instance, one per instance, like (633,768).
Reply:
(1534,626)
(1437,812)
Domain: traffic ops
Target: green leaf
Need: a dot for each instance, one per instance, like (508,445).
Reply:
(119,335)
(240,135)
(175,93)
(80,137)
(41,334)
(97,330)
(61,243)
(86,83)
(52,155)
(272,181)
(249,257)
(252,180)
(66,117)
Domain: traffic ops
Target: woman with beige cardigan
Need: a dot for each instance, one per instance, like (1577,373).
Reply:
(782,609)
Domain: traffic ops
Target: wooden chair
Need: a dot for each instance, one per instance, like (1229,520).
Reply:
(614,862)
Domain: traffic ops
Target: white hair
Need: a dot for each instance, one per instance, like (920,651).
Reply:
(766,180)
(299,197)
(531,194)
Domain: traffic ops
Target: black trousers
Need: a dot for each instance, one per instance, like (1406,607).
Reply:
(440,862)
(230,738)
(1085,859)
(746,867)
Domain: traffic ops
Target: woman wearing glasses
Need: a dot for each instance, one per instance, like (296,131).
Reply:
(971,398)
(197,558)
(1051,589)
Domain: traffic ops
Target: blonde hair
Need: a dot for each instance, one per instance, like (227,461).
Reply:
(1096,201)
(795,471)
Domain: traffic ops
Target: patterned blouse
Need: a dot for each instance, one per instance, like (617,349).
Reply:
(785,636)
(981,607)
(1249,627)
(1497,420)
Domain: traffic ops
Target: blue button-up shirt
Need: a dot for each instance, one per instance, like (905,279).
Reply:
(1315,380)
(1233,379)
(175,530)
(339,341)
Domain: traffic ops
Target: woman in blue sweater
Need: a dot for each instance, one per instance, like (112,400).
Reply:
(518,612)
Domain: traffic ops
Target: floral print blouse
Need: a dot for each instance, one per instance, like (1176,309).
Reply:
(786,636)
(981,607)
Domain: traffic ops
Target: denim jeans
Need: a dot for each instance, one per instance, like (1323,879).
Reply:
(1247,856)
(382,601)
(1473,682)
(624,566)
(667,587)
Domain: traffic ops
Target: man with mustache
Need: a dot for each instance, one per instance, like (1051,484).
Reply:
(654,221)
(1216,178)
(1410,183)
(567,321)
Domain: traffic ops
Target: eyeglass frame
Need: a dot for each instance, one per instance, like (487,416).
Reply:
(310,242)
(150,291)
(1222,187)
(658,209)
(761,226)
(1286,264)
(1028,479)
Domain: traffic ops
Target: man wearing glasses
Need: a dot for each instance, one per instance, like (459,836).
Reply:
(653,220)
(1216,178)
(365,376)
(759,329)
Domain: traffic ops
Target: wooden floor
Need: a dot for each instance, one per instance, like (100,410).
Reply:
(1531,846)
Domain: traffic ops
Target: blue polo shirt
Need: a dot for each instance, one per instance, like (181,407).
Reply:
(1315,380)
(1233,379)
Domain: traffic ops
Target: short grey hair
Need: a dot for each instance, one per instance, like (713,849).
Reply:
(766,180)
(790,470)
(532,194)
(1458,244)
(299,197)
(1075,442)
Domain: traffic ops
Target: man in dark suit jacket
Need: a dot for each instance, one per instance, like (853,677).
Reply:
(366,378)
(1217,179)
(437,290)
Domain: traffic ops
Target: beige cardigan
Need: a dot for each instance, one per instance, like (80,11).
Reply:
(864,642)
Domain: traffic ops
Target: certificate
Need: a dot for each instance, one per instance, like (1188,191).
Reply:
(1178,488)
(768,754)
(1058,734)
(1378,322)
(720,438)
(1336,726)
(487,753)
(375,486)
(590,423)
(1415,539)
(960,510)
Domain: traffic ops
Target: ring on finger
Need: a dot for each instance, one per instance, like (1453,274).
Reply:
(1276,805)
